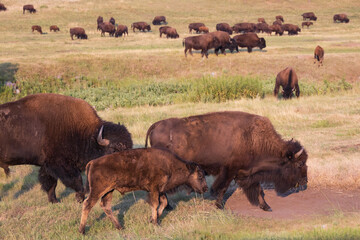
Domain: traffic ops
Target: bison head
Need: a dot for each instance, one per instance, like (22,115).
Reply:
(114,138)
(148,27)
(196,179)
(262,43)
(346,20)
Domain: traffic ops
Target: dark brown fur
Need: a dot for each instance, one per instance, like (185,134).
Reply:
(250,41)
(121,29)
(107,27)
(99,20)
(309,15)
(291,29)
(277,22)
(277,29)
(2,7)
(244,27)
(262,28)
(319,55)
(195,27)
(29,8)
(306,24)
(153,170)
(78,32)
(36,28)
(171,33)
(141,26)
(54,28)
(158,20)
(202,42)
(288,80)
(341,18)
(224,27)
(112,21)
(221,42)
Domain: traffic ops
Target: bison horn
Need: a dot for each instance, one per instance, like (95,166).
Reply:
(299,153)
(101,141)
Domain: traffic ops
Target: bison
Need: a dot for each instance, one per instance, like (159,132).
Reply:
(29,8)
(78,32)
(221,42)
(291,29)
(309,15)
(54,28)
(277,29)
(2,7)
(261,20)
(250,40)
(235,146)
(319,55)
(60,134)
(163,30)
(277,22)
(202,42)
(262,28)
(171,33)
(36,28)
(341,18)
(153,170)
(224,27)
(141,26)
(203,29)
(121,29)
(112,21)
(195,27)
(306,24)
(158,20)
(99,21)
(107,27)
(244,27)
(280,18)
(288,80)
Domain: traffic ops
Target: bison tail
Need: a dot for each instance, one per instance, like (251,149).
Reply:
(290,77)
(148,133)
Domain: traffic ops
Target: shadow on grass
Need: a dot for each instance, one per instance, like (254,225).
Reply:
(7,72)
(7,187)
(29,182)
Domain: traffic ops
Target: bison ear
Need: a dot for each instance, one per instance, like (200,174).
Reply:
(100,140)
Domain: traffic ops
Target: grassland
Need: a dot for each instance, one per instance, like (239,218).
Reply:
(142,78)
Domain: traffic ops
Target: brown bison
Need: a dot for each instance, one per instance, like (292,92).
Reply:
(60,134)
(277,22)
(171,33)
(112,21)
(203,29)
(141,26)
(107,27)
(153,170)
(224,27)
(288,80)
(250,40)
(36,28)
(261,20)
(201,42)
(277,29)
(78,32)
(306,24)
(341,18)
(280,18)
(54,28)
(195,27)
(244,27)
(221,42)
(29,8)
(291,29)
(319,55)
(163,30)
(309,15)
(99,21)
(121,29)
(235,146)
(158,20)
(262,28)
(2,7)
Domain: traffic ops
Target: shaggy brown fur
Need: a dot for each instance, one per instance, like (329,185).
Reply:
(309,15)
(78,32)
(2,7)
(202,42)
(250,41)
(288,80)
(107,27)
(203,29)
(121,29)
(99,20)
(319,55)
(29,8)
(261,20)
(158,20)
(280,18)
(224,27)
(244,27)
(195,27)
(36,28)
(341,18)
(277,29)
(54,28)
(141,26)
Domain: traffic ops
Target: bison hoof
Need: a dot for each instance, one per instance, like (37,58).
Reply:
(54,200)
(80,197)
(169,208)
(266,208)
(82,230)
(155,222)
(219,205)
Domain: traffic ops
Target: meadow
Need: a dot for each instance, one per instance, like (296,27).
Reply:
(143,78)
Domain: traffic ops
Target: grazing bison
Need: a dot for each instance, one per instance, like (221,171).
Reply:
(221,42)
(319,55)
(341,18)
(224,27)
(291,29)
(141,26)
(112,21)
(121,29)
(78,32)
(54,28)
(29,8)
(60,134)
(99,20)
(280,18)
(250,40)
(2,7)
(107,27)
(235,146)
(288,80)
(277,29)
(153,170)
(195,27)
(202,42)
(203,29)
(244,27)
(261,20)
(306,24)
(158,20)
(36,28)
(309,15)
(171,33)
(163,30)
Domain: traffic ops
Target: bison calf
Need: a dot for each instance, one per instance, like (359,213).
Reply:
(319,55)
(54,28)
(306,24)
(153,170)
(36,28)
(29,8)
(203,29)
(288,80)
(121,29)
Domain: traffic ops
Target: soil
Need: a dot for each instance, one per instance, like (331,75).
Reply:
(309,203)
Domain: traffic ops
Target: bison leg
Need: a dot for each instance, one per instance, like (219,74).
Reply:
(163,203)
(154,203)
(6,169)
(220,186)
(297,90)
(87,206)
(249,49)
(276,90)
(48,184)
(255,195)
(106,206)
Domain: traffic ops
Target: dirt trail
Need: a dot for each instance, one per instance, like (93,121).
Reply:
(311,202)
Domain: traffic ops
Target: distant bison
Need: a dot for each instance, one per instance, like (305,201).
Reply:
(341,18)
(291,29)
(201,42)
(309,15)
(141,26)
(153,170)
(288,80)
(2,7)
(36,28)
(195,27)
(54,28)
(171,33)
(121,29)
(112,21)
(280,18)
(163,30)
(78,32)
(203,29)
(250,41)
(306,24)
(244,27)
(277,29)
(107,27)
(29,8)
(319,55)
(158,20)
(99,21)
(261,20)
(262,28)
(224,27)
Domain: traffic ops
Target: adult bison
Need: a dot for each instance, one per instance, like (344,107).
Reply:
(262,28)
(235,146)
(141,26)
(60,134)
(319,55)
(221,42)
(309,15)
(195,27)
(341,18)
(2,7)
(201,42)
(288,80)
(308,24)
(99,21)
(291,29)
(250,40)
(29,8)
(171,33)
(224,27)
(36,28)
(280,18)
(107,27)
(244,27)
(78,32)
(121,29)
(158,20)
(277,29)
(163,30)
(54,28)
